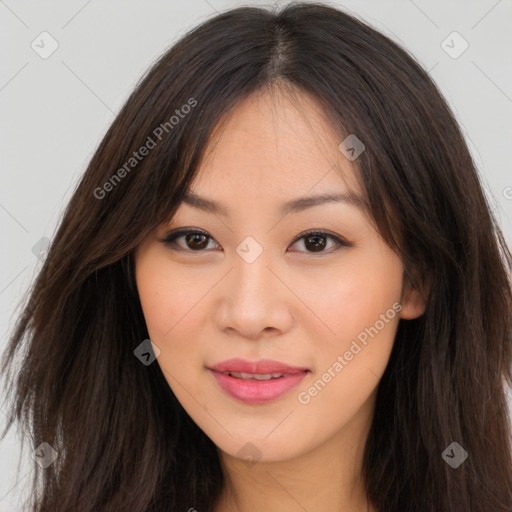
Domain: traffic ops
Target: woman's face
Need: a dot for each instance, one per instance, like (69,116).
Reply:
(253,287)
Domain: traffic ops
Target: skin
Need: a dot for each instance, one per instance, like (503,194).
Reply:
(291,304)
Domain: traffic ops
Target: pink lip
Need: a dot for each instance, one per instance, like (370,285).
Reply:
(261,366)
(253,391)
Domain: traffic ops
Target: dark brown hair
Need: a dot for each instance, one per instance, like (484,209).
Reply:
(123,440)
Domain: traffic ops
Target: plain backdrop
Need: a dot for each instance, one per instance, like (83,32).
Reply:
(56,108)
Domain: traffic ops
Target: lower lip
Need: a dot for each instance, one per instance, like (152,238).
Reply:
(257,391)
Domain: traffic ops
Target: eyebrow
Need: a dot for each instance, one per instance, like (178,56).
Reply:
(292,206)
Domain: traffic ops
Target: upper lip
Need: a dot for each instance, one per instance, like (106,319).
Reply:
(263,366)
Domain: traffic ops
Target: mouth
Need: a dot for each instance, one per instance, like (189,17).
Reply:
(256,387)
(256,376)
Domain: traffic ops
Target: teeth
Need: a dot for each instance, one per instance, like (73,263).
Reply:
(255,376)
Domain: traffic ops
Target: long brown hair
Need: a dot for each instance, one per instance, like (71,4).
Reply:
(123,440)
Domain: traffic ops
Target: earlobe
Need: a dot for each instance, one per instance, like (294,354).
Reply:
(414,302)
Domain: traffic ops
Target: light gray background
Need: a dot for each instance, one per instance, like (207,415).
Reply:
(55,111)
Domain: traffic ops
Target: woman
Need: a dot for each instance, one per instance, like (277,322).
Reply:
(278,286)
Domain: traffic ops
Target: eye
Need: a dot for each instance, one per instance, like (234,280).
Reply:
(316,241)
(197,241)
(194,240)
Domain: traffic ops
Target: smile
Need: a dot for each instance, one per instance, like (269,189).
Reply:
(255,376)
(257,388)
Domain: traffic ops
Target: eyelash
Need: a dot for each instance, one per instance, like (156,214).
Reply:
(170,240)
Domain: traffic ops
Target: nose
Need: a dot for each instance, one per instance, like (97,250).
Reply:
(254,301)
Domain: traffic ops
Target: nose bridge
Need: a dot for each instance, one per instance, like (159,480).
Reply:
(251,300)
(251,275)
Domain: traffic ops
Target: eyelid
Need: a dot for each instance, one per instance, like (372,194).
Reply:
(169,239)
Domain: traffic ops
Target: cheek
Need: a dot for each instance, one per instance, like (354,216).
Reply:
(347,299)
(363,309)
(156,303)
(167,297)
(170,308)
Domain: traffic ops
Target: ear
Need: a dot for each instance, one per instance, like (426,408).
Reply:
(414,299)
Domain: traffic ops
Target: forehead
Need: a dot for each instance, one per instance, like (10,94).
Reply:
(271,144)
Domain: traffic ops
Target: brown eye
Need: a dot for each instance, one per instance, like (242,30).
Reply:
(317,241)
(196,241)
(192,240)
